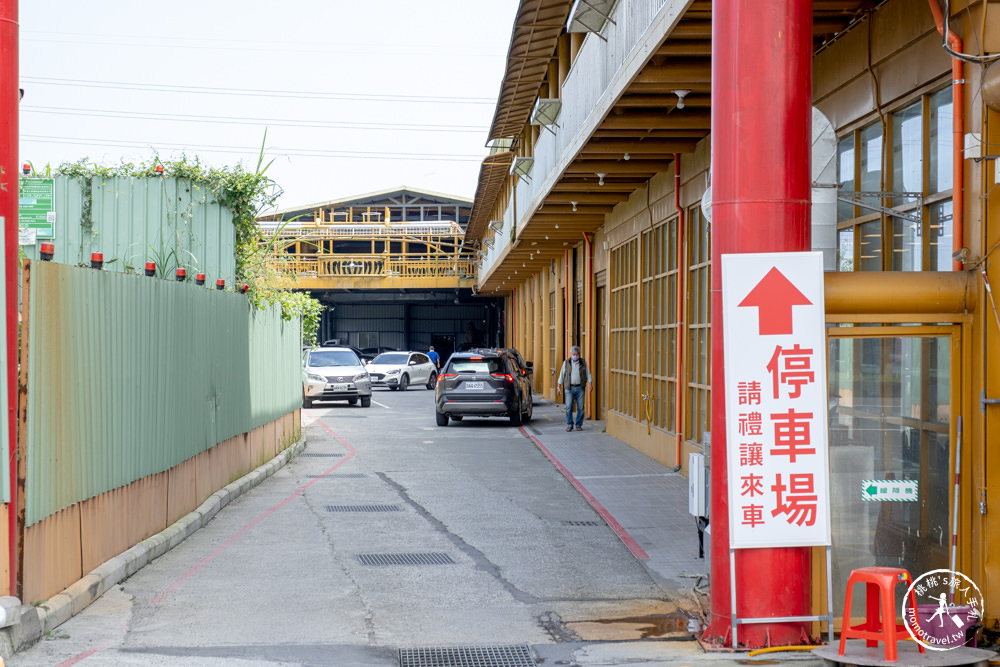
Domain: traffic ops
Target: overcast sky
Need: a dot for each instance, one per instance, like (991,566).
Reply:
(355,96)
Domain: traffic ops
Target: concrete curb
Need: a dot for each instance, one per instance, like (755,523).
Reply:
(36,621)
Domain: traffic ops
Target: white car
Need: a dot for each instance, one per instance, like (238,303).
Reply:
(334,374)
(398,370)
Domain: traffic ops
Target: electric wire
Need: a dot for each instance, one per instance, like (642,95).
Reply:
(159,43)
(291,152)
(954,54)
(253,92)
(241,120)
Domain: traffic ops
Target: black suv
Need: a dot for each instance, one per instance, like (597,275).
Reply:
(483,383)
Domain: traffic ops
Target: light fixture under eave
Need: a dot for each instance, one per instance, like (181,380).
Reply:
(488,243)
(681,94)
(497,225)
(600,177)
(590,16)
(574,205)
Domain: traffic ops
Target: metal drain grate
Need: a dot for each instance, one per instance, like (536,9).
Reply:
(363,508)
(336,456)
(581,523)
(405,559)
(467,656)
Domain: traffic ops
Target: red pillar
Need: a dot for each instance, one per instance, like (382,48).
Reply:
(761,138)
(9,98)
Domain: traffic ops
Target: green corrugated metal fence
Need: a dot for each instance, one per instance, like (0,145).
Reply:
(134,220)
(129,376)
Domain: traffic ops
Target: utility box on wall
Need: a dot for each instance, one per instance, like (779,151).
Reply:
(697,487)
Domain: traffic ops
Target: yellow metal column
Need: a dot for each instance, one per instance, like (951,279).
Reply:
(525,292)
(544,363)
(563,56)
(508,326)
(536,326)
(588,305)
(515,340)
(983,377)
(560,327)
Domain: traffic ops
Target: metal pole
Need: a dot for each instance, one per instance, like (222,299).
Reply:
(761,141)
(954,518)
(9,98)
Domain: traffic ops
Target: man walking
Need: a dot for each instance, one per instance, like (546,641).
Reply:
(434,357)
(574,376)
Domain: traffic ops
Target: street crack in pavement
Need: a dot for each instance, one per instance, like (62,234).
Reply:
(480,559)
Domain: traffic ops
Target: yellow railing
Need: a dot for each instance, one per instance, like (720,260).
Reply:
(375,266)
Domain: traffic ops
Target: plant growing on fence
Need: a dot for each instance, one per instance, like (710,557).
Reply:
(245,193)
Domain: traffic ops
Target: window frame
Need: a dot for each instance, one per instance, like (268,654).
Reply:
(852,232)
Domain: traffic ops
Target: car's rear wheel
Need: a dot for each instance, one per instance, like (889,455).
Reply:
(352,401)
(515,417)
(432,380)
(404,382)
(366,401)
(527,415)
(442,419)
(307,402)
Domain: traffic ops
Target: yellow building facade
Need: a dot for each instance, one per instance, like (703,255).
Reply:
(592,218)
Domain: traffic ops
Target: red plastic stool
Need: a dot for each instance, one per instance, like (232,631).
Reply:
(881,594)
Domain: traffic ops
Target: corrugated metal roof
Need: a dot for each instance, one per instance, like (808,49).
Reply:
(378,195)
(533,40)
(493,174)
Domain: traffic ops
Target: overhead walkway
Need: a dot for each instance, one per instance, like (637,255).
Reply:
(326,254)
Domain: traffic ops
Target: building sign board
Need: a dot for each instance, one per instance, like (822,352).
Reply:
(37,206)
(897,490)
(776,400)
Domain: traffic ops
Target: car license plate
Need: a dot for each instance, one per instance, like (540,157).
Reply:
(341,387)
(473,385)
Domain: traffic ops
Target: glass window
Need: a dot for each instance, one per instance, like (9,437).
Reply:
(907,152)
(471,365)
(871,158)
(623,329)
(941,137)
(889,422)
(939,231)
(659,291)
(901,222)
(870,257)
(699,328)
(328,358)
(845,169)
(907,249)
(391,359)
(845,249)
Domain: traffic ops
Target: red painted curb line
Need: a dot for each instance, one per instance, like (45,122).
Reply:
(627,539)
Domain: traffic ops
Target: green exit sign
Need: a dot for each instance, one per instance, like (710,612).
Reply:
(888,489)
